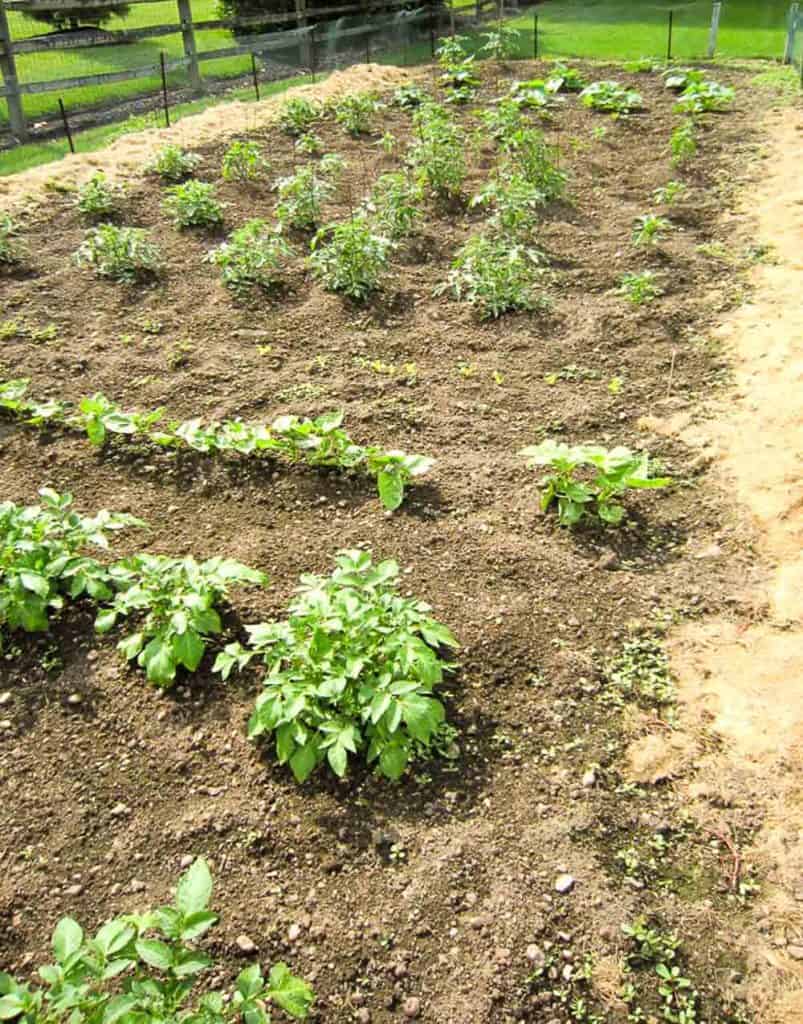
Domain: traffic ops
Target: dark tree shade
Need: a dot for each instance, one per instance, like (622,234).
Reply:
(79,16)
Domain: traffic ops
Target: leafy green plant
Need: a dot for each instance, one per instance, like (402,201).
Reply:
(42,560)
(640,288)
(98,198)
(669,193)
(649,229)
(699,97)
(515,202)
(301,197)
(535,94)
(647,945)
(350,257)
(354,112)
(527,155)
(298,115)
(309,143)
(461,80)
(243,161)
(174,601)
(615,471)
(172,163)
(253,256)
(683,142)
(504,118)
(679,79)
(570,79)
(501,43)
(143,967)
(410,96)
(350,671)
(98,417)
(394,205)
(10,250)
(193,205)
(495,276)
(640,671)
(450,52)
(438,153)
(611,97)
(121,253)
(641,66)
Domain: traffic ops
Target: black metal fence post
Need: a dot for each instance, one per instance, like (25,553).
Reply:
(66,124)
(164,88)
(432,28)
(669,37)
(535,36)
(313,57)
(254,73)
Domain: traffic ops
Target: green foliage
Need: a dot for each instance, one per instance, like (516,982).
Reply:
(355,111)
(669,193)
(615,471)
(253,256)
(451,52)
(172,163)
(97,417)
(243,161)
(535,94)
(461,79)
(495,276)
(302,195)
(309,144)
(515,202)
(527,155)
(501,43)
(503,119)
(174,601)
(570,79)
(41,560)
(438,153)
(193,205)
(699,97)
(121,253)
(142,969)
(394,205)
(10,251)
(648,946)
(410,96)
(640,672)
(640,288)
(641,66)
(350,671)
(683,142)
(97,198)
(649,229)
(298,115)
(350,257)
(611,97)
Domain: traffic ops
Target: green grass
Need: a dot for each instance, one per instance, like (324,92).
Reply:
(35,153)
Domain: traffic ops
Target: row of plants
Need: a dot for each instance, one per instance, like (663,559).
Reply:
(318,442)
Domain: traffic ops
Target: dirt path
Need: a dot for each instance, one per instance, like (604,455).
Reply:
(741,677)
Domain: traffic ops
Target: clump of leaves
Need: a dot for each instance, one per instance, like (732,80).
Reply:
(174,601)
(679,79)
(98,416)
(410,96)
(528,156)
(121,253)
(172,163)
(501,43)
(649,946)
(394,205)
(298,115)
(355,111)
(640,288)
(302,195)
(669,193)
(611,97)
(495,276)
(10,250)
(438,153)
(309,143)
(350,257)
(570,79)
(649,229)
(42,560)
(699,97)
(503,119)
(640,671)
(98,198)
(515,202)
(614,471)
(683,142)
(193,205)
(461,79)
(641,66)
(243,161)
(350,671)
(253,256)
(143,967)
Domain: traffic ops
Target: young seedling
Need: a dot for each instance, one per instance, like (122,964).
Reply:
(253,256)
(350,257)
(515,202)
(351,671)
(669,193)
(301,197)
(98,198)
(611,97)
(309,144)
(410,96)
(174,164)
(615,471)
(502,43)
(193,205)
(120,253)
(683,142)
(527,155)
(649,229)
(640,288)
(243,161)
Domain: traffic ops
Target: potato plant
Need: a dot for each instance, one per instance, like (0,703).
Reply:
(611,97)
(193,205)
(495,276)
(143,968)
(351,671)
(699,97)
(243,161)
(253,256)
(43,560)
(350,257)
(174,604)
(98,198)
(174,164)
(615,471)
(121,253)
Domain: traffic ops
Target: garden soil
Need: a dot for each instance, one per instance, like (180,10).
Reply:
(438,898)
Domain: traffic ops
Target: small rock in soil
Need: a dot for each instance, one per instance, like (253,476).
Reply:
(245,944)
(5,723)
(535,955)
(363,1015)
(74,890)
(75,698)
(589,778)
(796,952)
(412,1007)
(187,860)
(293,932)
(564,883)
(5,697)
(119,810)
(608,560)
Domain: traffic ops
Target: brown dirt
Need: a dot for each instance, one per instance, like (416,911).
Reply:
(533,606)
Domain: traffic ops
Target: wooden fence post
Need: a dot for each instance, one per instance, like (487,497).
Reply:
(716,10)
(16,115)
(789,49)
(304,47)
(190,49)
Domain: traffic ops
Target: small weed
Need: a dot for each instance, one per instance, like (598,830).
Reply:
(640,288)
(640,672)
(10,250)
(669,193)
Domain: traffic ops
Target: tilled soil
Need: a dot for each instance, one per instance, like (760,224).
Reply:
(107,785)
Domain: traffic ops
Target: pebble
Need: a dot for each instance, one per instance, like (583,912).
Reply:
(5,723)
(564,883)
(796,952)
(5,697)
(74,890)
(187,860)
(590,778)
(136,885)
(120,809)
(412,1007)
(535,955)
(608,560)
(75,698)
(293,932)
(245,944)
